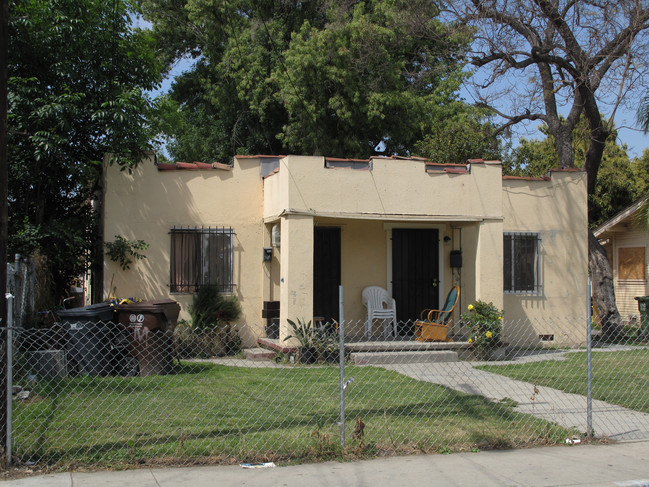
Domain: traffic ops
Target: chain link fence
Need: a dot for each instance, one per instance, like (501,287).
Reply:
(102,393)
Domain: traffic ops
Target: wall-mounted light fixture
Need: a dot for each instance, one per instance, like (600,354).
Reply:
(276,236)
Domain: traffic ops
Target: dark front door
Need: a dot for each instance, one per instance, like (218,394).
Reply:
(415,273)
(326,272)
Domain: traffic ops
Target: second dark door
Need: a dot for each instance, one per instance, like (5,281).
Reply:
(415,273)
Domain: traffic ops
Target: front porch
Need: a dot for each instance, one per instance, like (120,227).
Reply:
(326,228)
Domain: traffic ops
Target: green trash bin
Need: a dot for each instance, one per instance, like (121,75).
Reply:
(643,307)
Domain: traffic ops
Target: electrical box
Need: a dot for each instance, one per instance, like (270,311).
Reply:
(268,254)
(456,258)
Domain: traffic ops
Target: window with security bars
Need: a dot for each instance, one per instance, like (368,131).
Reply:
(522,263)
(201,257)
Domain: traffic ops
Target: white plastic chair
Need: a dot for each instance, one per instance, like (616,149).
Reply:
(380,306)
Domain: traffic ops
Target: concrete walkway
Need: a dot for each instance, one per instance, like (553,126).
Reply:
(569,410)
(622,465)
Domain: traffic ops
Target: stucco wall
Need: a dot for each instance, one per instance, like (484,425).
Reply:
(392,187)
(557,210)
(148,203)
(472,207)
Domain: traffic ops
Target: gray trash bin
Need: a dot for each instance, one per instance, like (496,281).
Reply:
(93,338)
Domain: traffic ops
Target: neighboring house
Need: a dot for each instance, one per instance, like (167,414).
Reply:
(626,244)
(291,229)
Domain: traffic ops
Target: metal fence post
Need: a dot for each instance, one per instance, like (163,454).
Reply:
(341,358)
(10,340)
(589,363)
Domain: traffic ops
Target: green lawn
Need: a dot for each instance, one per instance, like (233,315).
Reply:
(215,413)
(620,378)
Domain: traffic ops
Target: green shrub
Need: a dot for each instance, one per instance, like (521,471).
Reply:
(211,329)
(485,323)
(211,309)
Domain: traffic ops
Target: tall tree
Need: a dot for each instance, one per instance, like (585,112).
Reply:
(78,72)
(549,56)
(348,79)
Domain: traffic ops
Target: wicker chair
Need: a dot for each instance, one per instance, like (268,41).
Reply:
(433,324)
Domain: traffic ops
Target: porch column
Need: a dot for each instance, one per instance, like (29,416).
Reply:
(489,263)
(296,264)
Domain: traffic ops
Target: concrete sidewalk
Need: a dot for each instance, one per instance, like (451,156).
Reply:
(622,464)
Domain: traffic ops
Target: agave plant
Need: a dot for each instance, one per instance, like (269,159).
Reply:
(304,332)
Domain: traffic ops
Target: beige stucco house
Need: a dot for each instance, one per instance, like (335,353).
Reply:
(626,245)
(291,229)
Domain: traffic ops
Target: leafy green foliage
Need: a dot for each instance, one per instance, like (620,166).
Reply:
(302,331)
(463,134)
(123,251)
(78,73)
(211,331)
(485,321)
(640,167)
(211,309)
(317,77)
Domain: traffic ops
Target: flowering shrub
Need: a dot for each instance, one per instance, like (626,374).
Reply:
(485,322)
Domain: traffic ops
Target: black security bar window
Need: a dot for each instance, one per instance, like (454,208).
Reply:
(201,257)
(522,263)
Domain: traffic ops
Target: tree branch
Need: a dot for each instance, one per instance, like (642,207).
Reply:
(511,119)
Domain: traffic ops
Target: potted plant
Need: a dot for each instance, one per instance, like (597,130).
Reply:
(329,343)
(332,349)
(308,336)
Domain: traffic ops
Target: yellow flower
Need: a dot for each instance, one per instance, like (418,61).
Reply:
(470,307)
(489,334)
(500,318)
(470,340)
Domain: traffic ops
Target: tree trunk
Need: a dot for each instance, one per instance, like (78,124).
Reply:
(603,290)
(563,144)
(597,140)
(97,254)
(4,165)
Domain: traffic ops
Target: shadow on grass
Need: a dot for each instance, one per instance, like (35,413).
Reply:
(51,388)
(477,408)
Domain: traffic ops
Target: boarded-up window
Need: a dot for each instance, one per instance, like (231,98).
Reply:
(631,263)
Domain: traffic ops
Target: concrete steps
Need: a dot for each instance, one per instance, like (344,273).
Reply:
(403,357)
(382,352)
(258,354)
